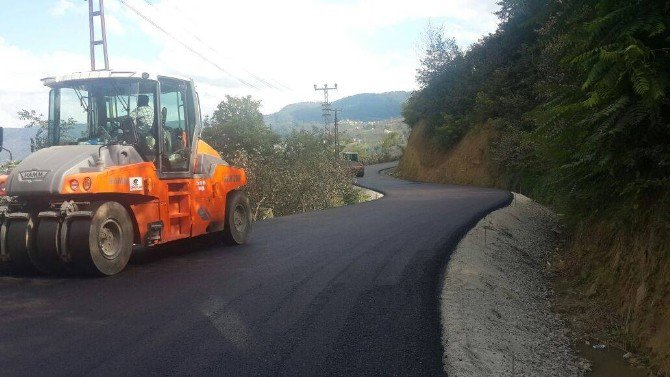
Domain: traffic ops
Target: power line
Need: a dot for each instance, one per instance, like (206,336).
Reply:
(179,11)
(257,77)
(184,15)
(145,18)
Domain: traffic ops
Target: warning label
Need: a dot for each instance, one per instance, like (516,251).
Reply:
(136,183)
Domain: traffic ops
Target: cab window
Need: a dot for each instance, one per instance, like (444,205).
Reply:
(176,116)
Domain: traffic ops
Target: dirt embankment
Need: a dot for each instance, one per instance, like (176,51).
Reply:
(468,163)
(614,285)
(612,281)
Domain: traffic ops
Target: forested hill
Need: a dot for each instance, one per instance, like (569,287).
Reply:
(364,107)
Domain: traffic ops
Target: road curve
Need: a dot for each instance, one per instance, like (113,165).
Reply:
(346,291)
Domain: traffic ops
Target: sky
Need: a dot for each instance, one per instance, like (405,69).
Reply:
(273,50)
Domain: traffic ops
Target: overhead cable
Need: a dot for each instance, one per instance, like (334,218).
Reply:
(189,48)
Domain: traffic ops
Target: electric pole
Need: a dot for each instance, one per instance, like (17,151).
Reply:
(337,134)
(325,106)
(91,16)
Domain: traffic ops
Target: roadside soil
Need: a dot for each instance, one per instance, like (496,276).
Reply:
(498,304)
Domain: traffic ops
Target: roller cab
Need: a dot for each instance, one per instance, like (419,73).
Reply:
(121,164)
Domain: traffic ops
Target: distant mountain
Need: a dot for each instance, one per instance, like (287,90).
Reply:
(17,140)
(365,107)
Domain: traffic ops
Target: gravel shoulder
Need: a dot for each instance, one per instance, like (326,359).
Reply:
(495,304)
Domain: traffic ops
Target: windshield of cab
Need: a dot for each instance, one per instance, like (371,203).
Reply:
(101,111)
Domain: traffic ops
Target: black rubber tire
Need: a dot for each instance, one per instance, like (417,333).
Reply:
(101,246)
(238,218)
(20,238)
(360,174)
(44,254)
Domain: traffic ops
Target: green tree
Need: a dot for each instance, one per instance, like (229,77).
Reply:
(391,146)
(492,82)
(35,120)
(38,121)
(237,123)
(438,52)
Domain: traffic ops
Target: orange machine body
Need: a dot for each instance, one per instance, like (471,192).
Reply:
(186,207)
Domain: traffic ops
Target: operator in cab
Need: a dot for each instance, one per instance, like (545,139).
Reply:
(144,114)
(144,119)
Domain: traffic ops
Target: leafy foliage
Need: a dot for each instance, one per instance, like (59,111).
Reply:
(440,52)
(375,142)
(577,91)
(299,176)
(287,175)
(237,123)
(604,125)
(392,146)
(39,122)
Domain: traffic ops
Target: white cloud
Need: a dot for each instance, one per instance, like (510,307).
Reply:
(298,43)
(61,7)
(303,42)
(21,87)
(113,25)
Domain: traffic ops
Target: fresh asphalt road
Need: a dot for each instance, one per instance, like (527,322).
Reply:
(346,291)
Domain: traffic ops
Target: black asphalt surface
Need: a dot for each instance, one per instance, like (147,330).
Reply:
(348,291)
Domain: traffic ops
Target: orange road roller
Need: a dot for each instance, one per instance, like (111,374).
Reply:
(121,164)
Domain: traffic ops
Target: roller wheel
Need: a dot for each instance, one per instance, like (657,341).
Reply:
(102,245)
(20,235)
(45,253)
(238,218)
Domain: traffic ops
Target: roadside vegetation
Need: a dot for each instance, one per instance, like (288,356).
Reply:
(574,98)
(287,174)
(375,142)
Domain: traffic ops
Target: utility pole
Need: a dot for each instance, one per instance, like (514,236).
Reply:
(93,42)
(337,134)
(325,106)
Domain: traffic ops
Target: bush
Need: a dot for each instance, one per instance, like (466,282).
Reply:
(450,132)
(300,175)
(297,173)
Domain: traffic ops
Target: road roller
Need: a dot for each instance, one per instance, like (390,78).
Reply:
(119,166)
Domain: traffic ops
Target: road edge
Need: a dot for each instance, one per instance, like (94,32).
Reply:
(495,309)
